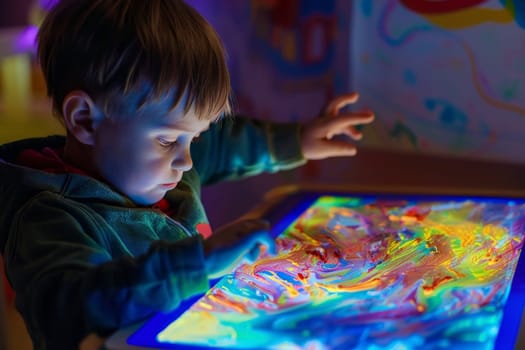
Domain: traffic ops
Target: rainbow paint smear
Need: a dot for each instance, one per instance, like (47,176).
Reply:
(366,273)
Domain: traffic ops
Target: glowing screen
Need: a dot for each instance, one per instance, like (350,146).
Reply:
(368,273)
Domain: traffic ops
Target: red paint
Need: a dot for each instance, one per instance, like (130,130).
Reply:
(418,213)
(285,14)
(436,7)
(327,25)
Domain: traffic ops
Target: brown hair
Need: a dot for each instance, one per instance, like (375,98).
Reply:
(111,48)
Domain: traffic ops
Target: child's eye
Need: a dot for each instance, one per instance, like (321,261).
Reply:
(166,143)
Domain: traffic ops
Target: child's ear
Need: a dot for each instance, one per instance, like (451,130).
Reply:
(81,116)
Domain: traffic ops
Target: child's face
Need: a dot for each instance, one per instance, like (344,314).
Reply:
(145,155)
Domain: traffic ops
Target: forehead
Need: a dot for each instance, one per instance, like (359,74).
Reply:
(161,114)
(184,122)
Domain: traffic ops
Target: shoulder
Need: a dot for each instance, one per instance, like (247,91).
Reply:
(50,216)
(50,212)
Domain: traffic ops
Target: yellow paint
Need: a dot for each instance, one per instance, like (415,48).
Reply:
(470,17)
(352,286)
(289,46)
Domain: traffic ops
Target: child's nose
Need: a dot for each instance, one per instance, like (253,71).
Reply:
(183,161)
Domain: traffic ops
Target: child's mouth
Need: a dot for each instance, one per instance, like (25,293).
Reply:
(170,185)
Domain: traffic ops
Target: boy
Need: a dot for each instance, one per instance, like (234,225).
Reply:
(104,227)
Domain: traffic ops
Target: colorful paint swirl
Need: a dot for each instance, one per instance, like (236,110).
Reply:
(366,273)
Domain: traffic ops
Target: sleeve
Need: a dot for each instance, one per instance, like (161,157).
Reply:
(237,147)
(68,285)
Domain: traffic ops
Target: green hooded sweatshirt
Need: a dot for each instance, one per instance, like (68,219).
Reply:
(82,258)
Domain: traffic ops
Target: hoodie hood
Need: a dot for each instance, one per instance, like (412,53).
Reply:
(19,183)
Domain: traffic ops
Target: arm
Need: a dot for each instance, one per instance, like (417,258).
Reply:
(236,148)
(67,285)
(239,147)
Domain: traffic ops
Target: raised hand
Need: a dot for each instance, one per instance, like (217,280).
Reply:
(317,136)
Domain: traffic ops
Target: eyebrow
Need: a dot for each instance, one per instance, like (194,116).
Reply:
(177,128)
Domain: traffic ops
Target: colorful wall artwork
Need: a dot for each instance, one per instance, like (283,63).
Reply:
(443,76)
(285,57)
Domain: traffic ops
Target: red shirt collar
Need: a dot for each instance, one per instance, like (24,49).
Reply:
(51,160)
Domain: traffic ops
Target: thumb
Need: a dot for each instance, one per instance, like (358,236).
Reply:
(263,243)
(254,253)
(253,225)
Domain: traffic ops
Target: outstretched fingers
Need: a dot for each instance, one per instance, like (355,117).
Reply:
(345,124)
(333,108)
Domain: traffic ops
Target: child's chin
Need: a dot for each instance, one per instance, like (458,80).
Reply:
(148,201)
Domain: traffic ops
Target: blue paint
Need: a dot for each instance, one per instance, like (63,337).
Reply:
(517,9)
(400,130)
(367,8)
(450,117)
(409,77)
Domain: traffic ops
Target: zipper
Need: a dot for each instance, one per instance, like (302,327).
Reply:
(176,223)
